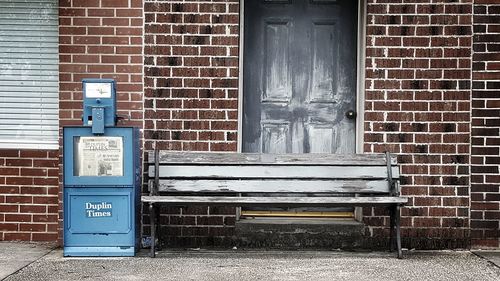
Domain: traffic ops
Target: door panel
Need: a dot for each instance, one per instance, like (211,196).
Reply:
(324,65)
(277,86)
(275,138)
(321,140)
(299,76)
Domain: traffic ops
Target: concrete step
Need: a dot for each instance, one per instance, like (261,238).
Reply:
(299,233)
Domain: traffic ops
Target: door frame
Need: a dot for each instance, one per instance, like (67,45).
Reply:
(360,77)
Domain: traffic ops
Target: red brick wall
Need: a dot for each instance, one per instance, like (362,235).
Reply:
(417,100)
(420,71)
(28,195)
(485,190)
(191,90)
(100,39)
(418,81)
(191,75)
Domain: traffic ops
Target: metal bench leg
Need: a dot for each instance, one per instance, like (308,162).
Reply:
(392,213)
(152,216)
(398,232)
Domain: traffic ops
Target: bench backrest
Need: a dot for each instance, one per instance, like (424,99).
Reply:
(268,173)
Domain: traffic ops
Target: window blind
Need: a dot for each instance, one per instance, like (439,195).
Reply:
(29,82)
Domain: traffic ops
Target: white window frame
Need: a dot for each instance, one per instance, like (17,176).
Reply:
(23,64)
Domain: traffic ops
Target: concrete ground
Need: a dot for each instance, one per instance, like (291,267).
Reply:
(39,262)
(492,256)
(15,256)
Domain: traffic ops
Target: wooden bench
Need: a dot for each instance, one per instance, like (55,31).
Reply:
(361,180)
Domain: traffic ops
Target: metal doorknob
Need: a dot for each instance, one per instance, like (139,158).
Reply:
(351,114)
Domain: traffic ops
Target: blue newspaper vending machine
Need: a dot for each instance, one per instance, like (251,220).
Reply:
(101,178)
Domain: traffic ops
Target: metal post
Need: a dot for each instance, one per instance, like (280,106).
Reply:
(152,219)
(398,232)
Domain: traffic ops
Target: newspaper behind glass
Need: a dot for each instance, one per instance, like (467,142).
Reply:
(99,156)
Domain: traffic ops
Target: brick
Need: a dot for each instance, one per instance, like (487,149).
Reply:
(19,180)
(19,162)
(71,12)
(45,200)
(32,227)
(44,236)
(10,227)
(128,50)
(137,13)
(9,209)
(18,199)
(85,3)
(32,208)
(44,218)
(33,190)
(17,236)
(33,172)
(115,4)
(426,222)
(195,210)
(9,171)
(488,243)
(184,220)
(454,222)
(17,218)
(8,189)
(129,31)
(45,163)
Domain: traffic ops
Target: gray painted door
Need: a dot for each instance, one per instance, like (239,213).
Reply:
(299,76)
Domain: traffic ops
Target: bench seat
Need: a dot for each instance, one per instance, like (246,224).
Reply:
(277,201)
(274,180)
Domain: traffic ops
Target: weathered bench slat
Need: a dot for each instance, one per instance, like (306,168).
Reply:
(276,201)
(313,159)
(278,186)
(284,172)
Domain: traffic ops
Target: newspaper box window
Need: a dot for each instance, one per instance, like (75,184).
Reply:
(98,156)
(101,179)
